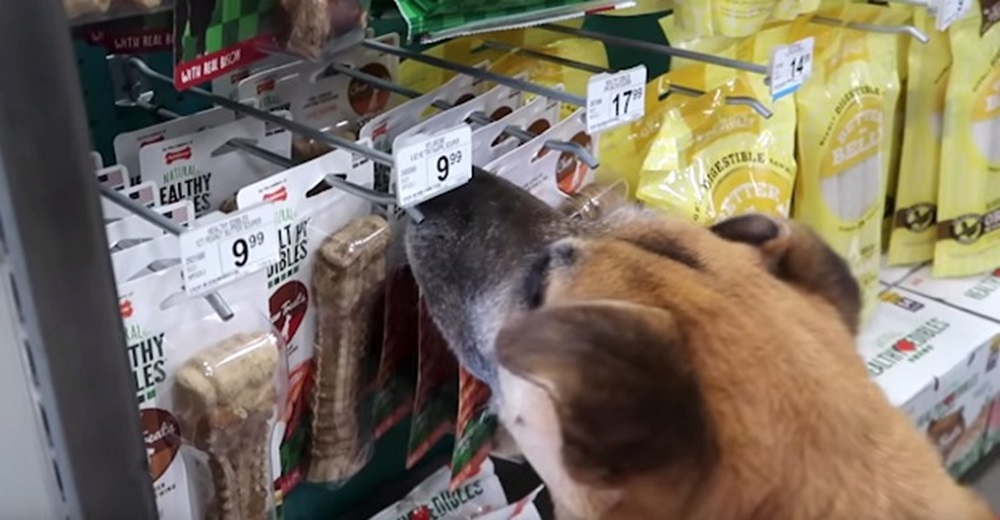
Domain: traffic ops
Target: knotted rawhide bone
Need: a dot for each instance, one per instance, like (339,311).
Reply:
(224,400)
(349,273)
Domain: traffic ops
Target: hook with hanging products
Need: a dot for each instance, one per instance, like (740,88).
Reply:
(132,65)
(477,117)
(218,303)
(747,101)
(911,30)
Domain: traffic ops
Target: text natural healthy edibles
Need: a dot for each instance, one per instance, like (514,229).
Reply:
(968,240)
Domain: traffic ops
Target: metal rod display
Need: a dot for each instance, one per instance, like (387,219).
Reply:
(218,303)
(476,117)
(917,34)
(558,60)
(657,48)
(748,101)
(551,93)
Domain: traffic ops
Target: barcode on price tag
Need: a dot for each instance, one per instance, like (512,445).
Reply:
(791,65)
(949,12)
(430,166)
(224,251)
(616,99)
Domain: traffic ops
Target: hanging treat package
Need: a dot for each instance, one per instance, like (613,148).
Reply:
(209,391)
(475,428)
(481,494)
(492,141)
(307,213)
(551,175)
(135,230)
(430,21)
(437,390)
(146,194)
(968,224)
(523,509)
(914,223)
(596,201)
(396,381)
(317,29)
(844,140)
(203,168)
(348,281)
(735,18)
(80,8)
(491,106)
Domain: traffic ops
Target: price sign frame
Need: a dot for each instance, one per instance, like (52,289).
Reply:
(224,251)
(615,99)
(433,165)
(791,66)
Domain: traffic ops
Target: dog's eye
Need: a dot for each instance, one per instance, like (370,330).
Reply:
(537,280)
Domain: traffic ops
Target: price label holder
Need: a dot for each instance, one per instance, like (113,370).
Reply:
(216,254)
(615,99)
(949,12)
(791,65)
(428,166)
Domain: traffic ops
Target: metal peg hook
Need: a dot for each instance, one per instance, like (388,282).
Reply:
(657,48)
(215,300)
(917,34)
(748,101)
(476,117)
(541,56)
(551,93)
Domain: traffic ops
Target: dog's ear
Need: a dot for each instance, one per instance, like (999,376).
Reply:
(797,255)
(625,393)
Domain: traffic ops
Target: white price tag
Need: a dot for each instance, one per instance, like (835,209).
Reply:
(791,65)
(950,11)
(221,252)
(616,99)
(430,166)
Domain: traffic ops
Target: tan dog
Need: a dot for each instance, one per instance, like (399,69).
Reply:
(653,369)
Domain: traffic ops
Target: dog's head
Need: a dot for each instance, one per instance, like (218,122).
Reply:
(600,340)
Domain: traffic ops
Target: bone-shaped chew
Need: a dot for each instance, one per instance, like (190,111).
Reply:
(350,270)
(224,399)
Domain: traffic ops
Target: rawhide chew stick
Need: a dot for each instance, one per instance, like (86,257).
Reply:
(349,272)
(224,400)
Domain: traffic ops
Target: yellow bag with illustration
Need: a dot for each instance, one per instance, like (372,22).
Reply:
(968,237)
(914,229)
(845,110)
(734,18)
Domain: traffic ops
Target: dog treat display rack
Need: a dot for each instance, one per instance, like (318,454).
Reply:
(249,169)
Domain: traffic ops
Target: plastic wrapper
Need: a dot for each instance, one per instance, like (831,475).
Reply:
(844,141)
(348,278)
(735,18)
(436,399)
(968,228)
(594,202)
(482,493)
(474,430)
(314,28)
(913,227)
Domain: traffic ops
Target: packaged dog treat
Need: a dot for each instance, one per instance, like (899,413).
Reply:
(134,230)
(306,214)
(481,494)
(437,391)
(348,277)
(969,189)
(314,28)
(496,103)
(80,8)
(475,428)
(146,193)
(844,143)
(914,225)
(523,509)
(128,144)
(397,372)
(148,257)
(200,167)
(550,175)
(595,201)
(735,18)
(207,432)
(490,142)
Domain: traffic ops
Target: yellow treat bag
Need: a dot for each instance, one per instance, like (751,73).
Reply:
(914,224)
(968,236)
(734,18)
(844,111)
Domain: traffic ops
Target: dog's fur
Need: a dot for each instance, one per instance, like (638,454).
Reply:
(652,369)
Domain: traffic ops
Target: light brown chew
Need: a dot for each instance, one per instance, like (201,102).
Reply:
(224,400)
(349,272)
(78,8)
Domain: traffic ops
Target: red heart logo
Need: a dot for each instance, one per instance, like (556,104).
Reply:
(125,306)
(288,308)
(905,345)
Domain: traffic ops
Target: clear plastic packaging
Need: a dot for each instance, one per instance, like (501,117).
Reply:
(595,201)
(348,278)
(313,28)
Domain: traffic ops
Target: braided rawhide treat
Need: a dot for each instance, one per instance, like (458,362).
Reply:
(349,272)
(224,401)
